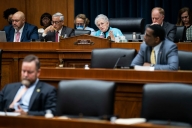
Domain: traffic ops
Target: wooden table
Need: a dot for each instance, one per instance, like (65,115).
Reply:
(128,95)
(41,122)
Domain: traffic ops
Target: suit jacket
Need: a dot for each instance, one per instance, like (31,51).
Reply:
(167,57)
(170,30)
(65,31)
(40,100)
(29,32)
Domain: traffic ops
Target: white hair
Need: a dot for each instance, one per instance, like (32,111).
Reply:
(60,15)
(101,16)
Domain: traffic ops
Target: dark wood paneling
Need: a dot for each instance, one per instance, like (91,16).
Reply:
(33,10)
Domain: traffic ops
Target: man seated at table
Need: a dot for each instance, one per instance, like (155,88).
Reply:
(31,96)
(157,51)
(57,29)
(157,16)
(20,31)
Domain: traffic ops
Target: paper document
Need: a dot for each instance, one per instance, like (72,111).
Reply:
(9,114)
(130,121)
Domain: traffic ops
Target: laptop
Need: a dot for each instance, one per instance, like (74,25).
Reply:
(3,36)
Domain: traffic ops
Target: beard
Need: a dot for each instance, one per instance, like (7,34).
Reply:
(25,82)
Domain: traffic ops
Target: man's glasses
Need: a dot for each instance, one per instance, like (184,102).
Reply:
(184,17)
(15,21)
(55,22)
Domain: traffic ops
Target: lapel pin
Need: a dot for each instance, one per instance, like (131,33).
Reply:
(38,90)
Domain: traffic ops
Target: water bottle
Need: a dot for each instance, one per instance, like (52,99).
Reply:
(49,114)
(101,35)
(86,66)
(134,36)
(117,38)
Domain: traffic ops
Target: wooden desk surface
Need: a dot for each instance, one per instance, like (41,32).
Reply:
(128,94)
(41,122)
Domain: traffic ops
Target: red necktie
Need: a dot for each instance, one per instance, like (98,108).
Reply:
(56,36)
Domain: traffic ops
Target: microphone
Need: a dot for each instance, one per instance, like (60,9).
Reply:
(118,60)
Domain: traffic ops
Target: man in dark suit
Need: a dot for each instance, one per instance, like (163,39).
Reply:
(157,16)
(20,31)
(31,96)
(57,29)
(165,52)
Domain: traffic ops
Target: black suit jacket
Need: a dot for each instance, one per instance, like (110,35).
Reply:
(42,99)
(170,30)
(69,32)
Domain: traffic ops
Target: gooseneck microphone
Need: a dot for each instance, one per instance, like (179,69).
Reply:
(118,60)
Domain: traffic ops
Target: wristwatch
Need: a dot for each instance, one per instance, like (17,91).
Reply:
(152,65)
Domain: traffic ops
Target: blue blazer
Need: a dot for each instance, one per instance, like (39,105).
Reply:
(40,101)
(29,32)
(167,57)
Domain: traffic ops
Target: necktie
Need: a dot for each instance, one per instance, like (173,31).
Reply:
(153,60)
(18,97)
(56,36)
(17,38)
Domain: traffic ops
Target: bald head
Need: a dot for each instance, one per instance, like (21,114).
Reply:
(157,15)
(19,14)
(18,20)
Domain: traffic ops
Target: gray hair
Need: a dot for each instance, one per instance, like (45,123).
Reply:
(60,15)
(101,16)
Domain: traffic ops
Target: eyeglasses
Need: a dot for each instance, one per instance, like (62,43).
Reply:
(45,18)
(55,22)
(79,24)
(15,20)
(184,17)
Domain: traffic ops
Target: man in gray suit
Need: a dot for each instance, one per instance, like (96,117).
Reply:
(165,51)
(57,29)
(157,16)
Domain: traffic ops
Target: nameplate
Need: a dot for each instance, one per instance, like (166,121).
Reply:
(135,40)
(84,42)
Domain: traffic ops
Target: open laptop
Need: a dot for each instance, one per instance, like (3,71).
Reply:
(3,36)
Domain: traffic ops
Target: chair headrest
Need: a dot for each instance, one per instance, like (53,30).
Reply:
(128,24)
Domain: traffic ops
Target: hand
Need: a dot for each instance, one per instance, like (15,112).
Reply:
(111,35)
(146,64)
(21,111)
(50,28)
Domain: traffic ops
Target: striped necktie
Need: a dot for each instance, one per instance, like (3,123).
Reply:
(56,36)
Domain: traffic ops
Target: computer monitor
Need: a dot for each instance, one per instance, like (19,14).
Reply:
(3,36)
(82,32)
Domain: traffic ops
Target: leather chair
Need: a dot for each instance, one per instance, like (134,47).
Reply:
(185,60)
(128,26)
(167,103)
(179,37)
(107,58)
(85,98)
(82,32)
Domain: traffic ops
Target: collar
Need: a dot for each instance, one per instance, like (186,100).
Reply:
(157,47)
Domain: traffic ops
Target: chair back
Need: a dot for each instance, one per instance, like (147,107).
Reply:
(82,32)
(185,60)
(87,98)
(128,25)
(107,58)
(179,37)
(167,103)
